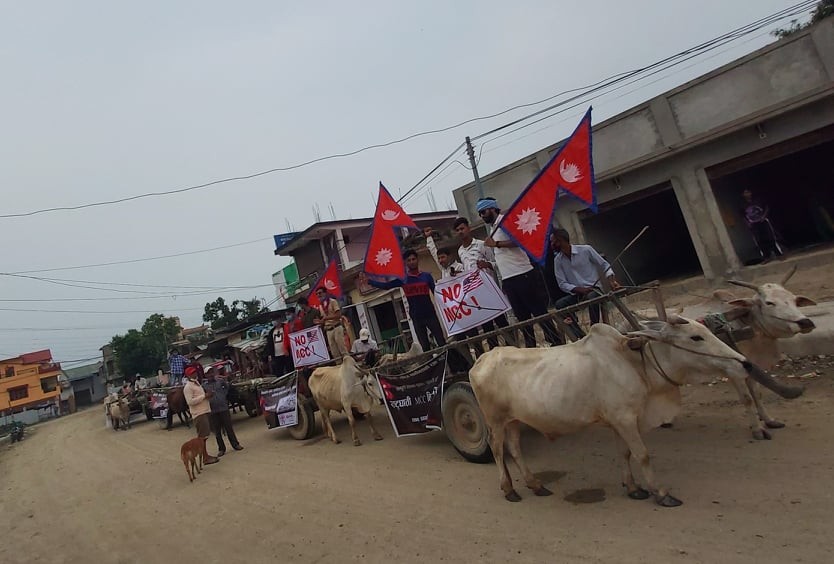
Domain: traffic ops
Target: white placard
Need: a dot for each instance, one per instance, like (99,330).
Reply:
(309,346)
(469,300)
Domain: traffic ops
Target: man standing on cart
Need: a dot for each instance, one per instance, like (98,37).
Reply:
(519,280)
(418,288)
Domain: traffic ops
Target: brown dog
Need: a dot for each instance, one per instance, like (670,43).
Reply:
(192,451)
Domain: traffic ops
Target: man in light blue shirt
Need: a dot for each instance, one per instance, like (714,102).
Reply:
(579,269)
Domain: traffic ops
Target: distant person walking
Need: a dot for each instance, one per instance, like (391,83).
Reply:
(757,216)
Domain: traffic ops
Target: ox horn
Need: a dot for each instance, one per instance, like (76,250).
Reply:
(789,275)
(769,382)
(743,284)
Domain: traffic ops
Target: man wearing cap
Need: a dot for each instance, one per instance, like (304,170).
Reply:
(331,321)
(363,344)
(519,280)
(198,403)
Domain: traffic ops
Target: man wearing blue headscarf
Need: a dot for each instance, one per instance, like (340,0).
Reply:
(521,283)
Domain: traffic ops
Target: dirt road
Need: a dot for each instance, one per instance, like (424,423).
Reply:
(74,491)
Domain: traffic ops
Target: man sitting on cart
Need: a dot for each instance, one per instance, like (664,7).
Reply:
(578,270)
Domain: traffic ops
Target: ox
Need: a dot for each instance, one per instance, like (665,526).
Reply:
(628,382)
(178,405)
(119,413)
(344,388)
(772,313)
(390,358)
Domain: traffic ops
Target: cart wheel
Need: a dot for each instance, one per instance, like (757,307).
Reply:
(306,426)
(464,423)
(148,414)
(252,409)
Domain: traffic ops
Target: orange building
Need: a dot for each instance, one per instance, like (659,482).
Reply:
(29,381)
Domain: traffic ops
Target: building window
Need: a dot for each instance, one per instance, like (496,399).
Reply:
(49,384)
(9,371)
(19,393)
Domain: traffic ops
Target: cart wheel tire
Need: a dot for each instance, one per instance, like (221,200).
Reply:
(464,423)
(148,415)
(306,426)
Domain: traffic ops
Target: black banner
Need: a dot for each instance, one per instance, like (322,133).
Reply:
(280,403)
(413,399)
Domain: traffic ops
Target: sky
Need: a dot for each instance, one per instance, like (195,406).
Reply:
(105,100)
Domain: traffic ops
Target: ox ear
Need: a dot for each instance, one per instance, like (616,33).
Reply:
(802,301)
(677,320)
(742,303)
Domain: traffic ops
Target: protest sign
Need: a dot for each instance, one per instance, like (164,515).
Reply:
(308,347)
(469,300)
(413,399)
(280,403)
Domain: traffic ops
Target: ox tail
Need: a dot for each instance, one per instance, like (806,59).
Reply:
(769,382)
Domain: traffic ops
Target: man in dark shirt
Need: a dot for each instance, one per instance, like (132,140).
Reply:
(418,288)
(221,419)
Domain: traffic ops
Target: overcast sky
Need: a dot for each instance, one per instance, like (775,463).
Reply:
(103,100)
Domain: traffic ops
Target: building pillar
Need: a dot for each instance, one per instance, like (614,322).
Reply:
(705,225)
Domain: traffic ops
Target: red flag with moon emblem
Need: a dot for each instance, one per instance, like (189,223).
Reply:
(384,255)
(571,170)
(329,281)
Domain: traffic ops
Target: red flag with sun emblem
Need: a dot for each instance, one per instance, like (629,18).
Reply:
(329,281)
(571,170)
(384,255)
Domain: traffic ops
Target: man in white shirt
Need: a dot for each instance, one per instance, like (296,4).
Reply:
(520,281)
(475,254)
(443,257)
(579,270)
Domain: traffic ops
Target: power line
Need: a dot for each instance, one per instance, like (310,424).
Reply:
(788,12)
(187,253)
(151,294)
(77,311)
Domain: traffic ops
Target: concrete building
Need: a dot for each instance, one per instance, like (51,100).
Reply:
(384,313)
(680,161)
(87,384)
(29,386)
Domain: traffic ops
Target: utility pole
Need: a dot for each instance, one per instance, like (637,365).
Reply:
(471,152)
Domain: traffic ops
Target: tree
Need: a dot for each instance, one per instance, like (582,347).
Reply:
(134,353)
(823,9)
(219,314)
(159,331)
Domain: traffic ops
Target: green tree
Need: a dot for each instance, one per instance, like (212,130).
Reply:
(219,314)
(134,353)
(159,331)
(823,9)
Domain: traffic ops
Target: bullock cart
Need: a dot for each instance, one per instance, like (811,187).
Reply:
(461,416)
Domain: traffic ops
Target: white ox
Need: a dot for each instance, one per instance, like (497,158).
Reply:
(628,382)
(344,388)
(772,313)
